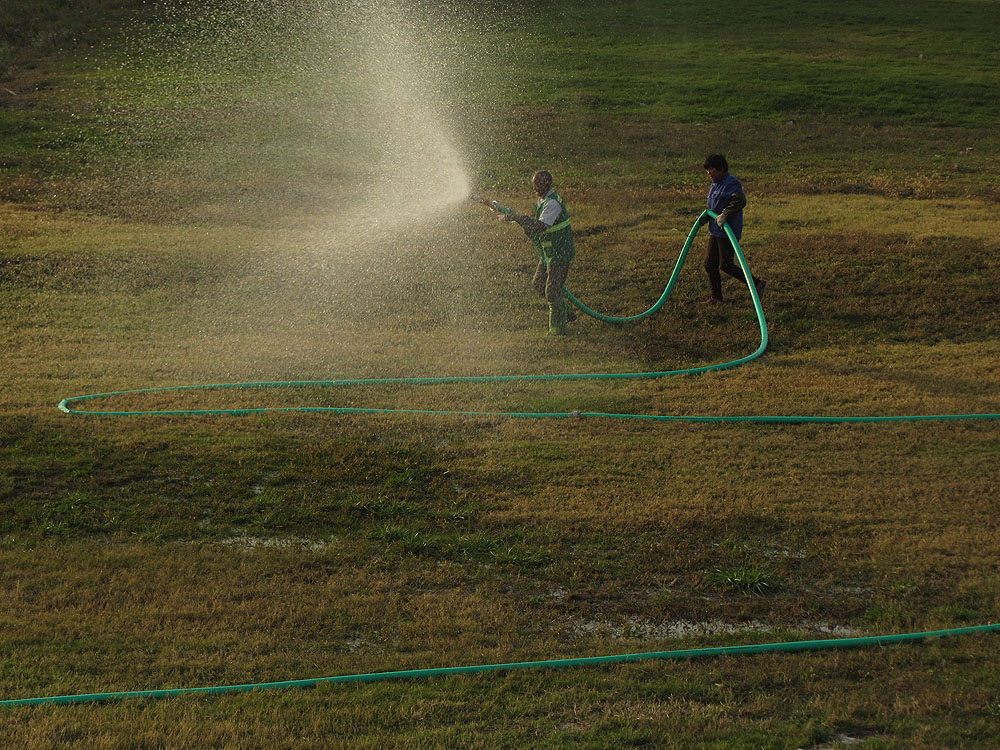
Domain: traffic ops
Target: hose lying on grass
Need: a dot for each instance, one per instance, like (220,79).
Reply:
(66,405)
(692,653)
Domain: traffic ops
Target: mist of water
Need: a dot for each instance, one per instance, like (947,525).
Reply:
(332,136)
(416,170)
(346,113)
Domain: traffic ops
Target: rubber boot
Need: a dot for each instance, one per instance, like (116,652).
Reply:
(557,319)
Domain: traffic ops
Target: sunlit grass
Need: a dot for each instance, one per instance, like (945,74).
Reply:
(932,218)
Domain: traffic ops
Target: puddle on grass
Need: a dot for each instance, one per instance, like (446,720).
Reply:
(846,739)
(636,629)
(276,542)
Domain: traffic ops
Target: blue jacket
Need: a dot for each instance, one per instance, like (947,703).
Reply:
(719,195)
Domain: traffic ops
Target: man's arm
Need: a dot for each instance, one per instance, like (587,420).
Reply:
(737,202)
(532,227)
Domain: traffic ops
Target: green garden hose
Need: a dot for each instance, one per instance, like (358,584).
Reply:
(67,404)
(590,661)
(833,643)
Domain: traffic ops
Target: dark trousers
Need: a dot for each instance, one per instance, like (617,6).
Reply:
(721,255)
(549,280)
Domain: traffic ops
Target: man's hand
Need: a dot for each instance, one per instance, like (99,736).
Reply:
(721,221)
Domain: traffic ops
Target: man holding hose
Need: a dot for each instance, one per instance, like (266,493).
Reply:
(727,199)
(553,237)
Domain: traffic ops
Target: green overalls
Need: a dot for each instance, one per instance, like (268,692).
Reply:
(555,245)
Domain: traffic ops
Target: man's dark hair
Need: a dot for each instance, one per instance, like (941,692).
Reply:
(716,161)
(544,176)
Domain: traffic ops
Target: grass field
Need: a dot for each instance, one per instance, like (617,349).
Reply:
(186,197)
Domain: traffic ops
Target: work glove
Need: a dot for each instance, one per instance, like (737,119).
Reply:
(721,221)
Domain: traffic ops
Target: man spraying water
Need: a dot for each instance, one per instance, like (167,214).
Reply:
(552,235)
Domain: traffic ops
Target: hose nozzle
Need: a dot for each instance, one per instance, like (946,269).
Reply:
(498,207)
